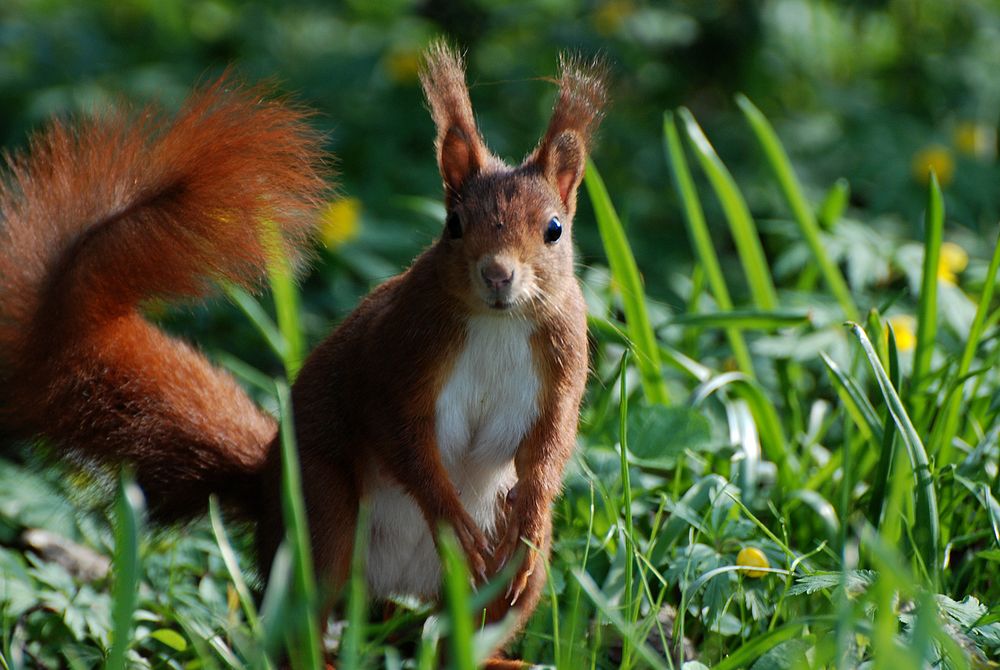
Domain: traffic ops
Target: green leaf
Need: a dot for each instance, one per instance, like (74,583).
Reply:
(758,646)
(880,481)
(171,638)
(275,610)
(989,555)
(658,434)
(822,508)
(688,512)
(353,638)
(789,655)
(858,581)
(628,532)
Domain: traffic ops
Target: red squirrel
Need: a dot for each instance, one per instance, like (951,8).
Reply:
(450,396)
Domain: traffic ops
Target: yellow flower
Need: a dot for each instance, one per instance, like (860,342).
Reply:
(975,139)
(611,14)
(402,65)
(340,221)
(933,157)
(751,557)
(952,261)
(904,328)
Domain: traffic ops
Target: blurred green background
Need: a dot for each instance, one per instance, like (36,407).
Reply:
(871,90)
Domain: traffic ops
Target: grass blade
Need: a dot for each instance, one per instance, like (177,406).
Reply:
(246,372)
(801,211)
(626,504)
(744,320)
(758,646)
(125,594)
(764,416)
(611,612)
(855,401)
(925,528)
(741,224)
(692,504)
(834,204)
(260,319)
(275,608)
(286,303)
(231,562)
(357,599)
(701,239)
(281,276)
(949,424)
(626,274)
(927,310)
(822,508)
(880,483)
(306,639)
(456,593)
(235,575)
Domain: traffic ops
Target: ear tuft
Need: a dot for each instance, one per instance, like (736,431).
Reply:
(461,151)
(562,152)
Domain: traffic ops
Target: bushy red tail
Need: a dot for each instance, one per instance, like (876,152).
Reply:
(102,215)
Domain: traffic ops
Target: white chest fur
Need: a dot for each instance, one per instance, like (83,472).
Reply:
(491,398)
(485,408)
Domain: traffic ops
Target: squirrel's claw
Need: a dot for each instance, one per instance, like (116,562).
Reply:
(520,581)
(473,544)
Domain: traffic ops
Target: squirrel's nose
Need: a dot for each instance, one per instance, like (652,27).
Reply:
(497,275)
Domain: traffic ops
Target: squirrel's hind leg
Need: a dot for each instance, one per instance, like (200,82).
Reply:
(332,497)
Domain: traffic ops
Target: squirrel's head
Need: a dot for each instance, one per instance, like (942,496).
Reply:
(507,239)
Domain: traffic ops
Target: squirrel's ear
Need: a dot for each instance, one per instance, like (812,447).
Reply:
(562,153)
(458,159)
(563,163)
(461,152)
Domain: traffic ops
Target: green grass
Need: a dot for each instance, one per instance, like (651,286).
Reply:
(701,239)
(302,626)
(129,510)
(928,309)
(626,274)
(748,415)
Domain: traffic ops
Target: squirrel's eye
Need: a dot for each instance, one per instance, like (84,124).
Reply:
(553,230)
(454,226)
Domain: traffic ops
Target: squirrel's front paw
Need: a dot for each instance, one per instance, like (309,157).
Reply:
(473,543)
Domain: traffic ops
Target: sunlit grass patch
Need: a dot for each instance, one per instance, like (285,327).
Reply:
(757,484)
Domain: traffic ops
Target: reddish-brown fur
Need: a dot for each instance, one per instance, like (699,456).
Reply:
(365,399)
(100,216)
(387,361)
